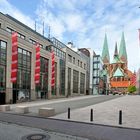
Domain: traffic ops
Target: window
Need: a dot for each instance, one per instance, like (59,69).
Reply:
(75,81)
(21,35)
(81,64)
(9,30)
(69,58)
(23,84)
(95,58)
(69,81)
(73,60)
(42,87)
(32,41)
(95,66)
(78,62)
(3,46)
(62,75)
(82,83)
(84,66)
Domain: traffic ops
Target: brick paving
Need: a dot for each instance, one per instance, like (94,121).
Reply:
(108,112)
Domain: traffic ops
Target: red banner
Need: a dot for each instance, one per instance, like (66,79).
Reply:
(14,64)
(53,70)
(37,64)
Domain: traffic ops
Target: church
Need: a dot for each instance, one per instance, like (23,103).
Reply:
(119,74)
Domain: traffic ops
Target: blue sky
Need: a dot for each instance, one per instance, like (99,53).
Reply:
(84,22)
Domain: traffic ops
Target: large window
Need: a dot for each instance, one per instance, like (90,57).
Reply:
(75,81)
(62,77)
(95,66)
(82,83)
(69,82)
(3,46)
(42,88)
(57,51)
(23,84)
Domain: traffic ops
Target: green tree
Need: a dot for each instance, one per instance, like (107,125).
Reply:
(131,89)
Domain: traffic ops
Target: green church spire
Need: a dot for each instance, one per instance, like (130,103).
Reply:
(122,51)
(105,52)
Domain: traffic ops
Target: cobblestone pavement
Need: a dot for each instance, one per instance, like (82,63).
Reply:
(108,112)
(61,105)
(9,131)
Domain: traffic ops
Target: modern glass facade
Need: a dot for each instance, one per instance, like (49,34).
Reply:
(69,82)
(97,68)
(75,81)
(42,87)
(82,83)
(62,77)
(22,88)
(3,47)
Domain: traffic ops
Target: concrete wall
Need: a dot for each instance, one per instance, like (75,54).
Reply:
(75,66)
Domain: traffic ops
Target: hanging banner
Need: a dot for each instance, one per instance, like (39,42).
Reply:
(37,64)
(53,70)
(14,64)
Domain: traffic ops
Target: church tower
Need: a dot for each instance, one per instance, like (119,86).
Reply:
(105,52)
(122,51)
(119,75)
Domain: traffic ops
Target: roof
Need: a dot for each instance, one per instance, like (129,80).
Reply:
(119,84)
(105,52)
(117,60)
(118,73)
(129,73)
(122,51)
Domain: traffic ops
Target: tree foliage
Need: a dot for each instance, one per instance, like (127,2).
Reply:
(131,89)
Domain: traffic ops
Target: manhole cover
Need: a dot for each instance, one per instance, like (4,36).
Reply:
(36,137)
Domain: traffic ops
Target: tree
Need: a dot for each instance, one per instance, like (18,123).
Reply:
(131,89)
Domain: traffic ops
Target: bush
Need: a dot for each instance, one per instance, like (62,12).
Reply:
(131,89)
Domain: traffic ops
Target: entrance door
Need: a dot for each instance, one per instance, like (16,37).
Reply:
(14,96)
(2,98)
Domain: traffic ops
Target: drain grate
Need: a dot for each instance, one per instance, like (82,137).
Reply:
(36,137)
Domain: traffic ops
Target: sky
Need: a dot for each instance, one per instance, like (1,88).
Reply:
(84,22)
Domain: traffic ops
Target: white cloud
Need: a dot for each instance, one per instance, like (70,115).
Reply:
(7,8)
(85,22)
(88,20)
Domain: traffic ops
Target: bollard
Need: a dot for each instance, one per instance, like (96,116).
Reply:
(120,117)
(91,115)
(68,113)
